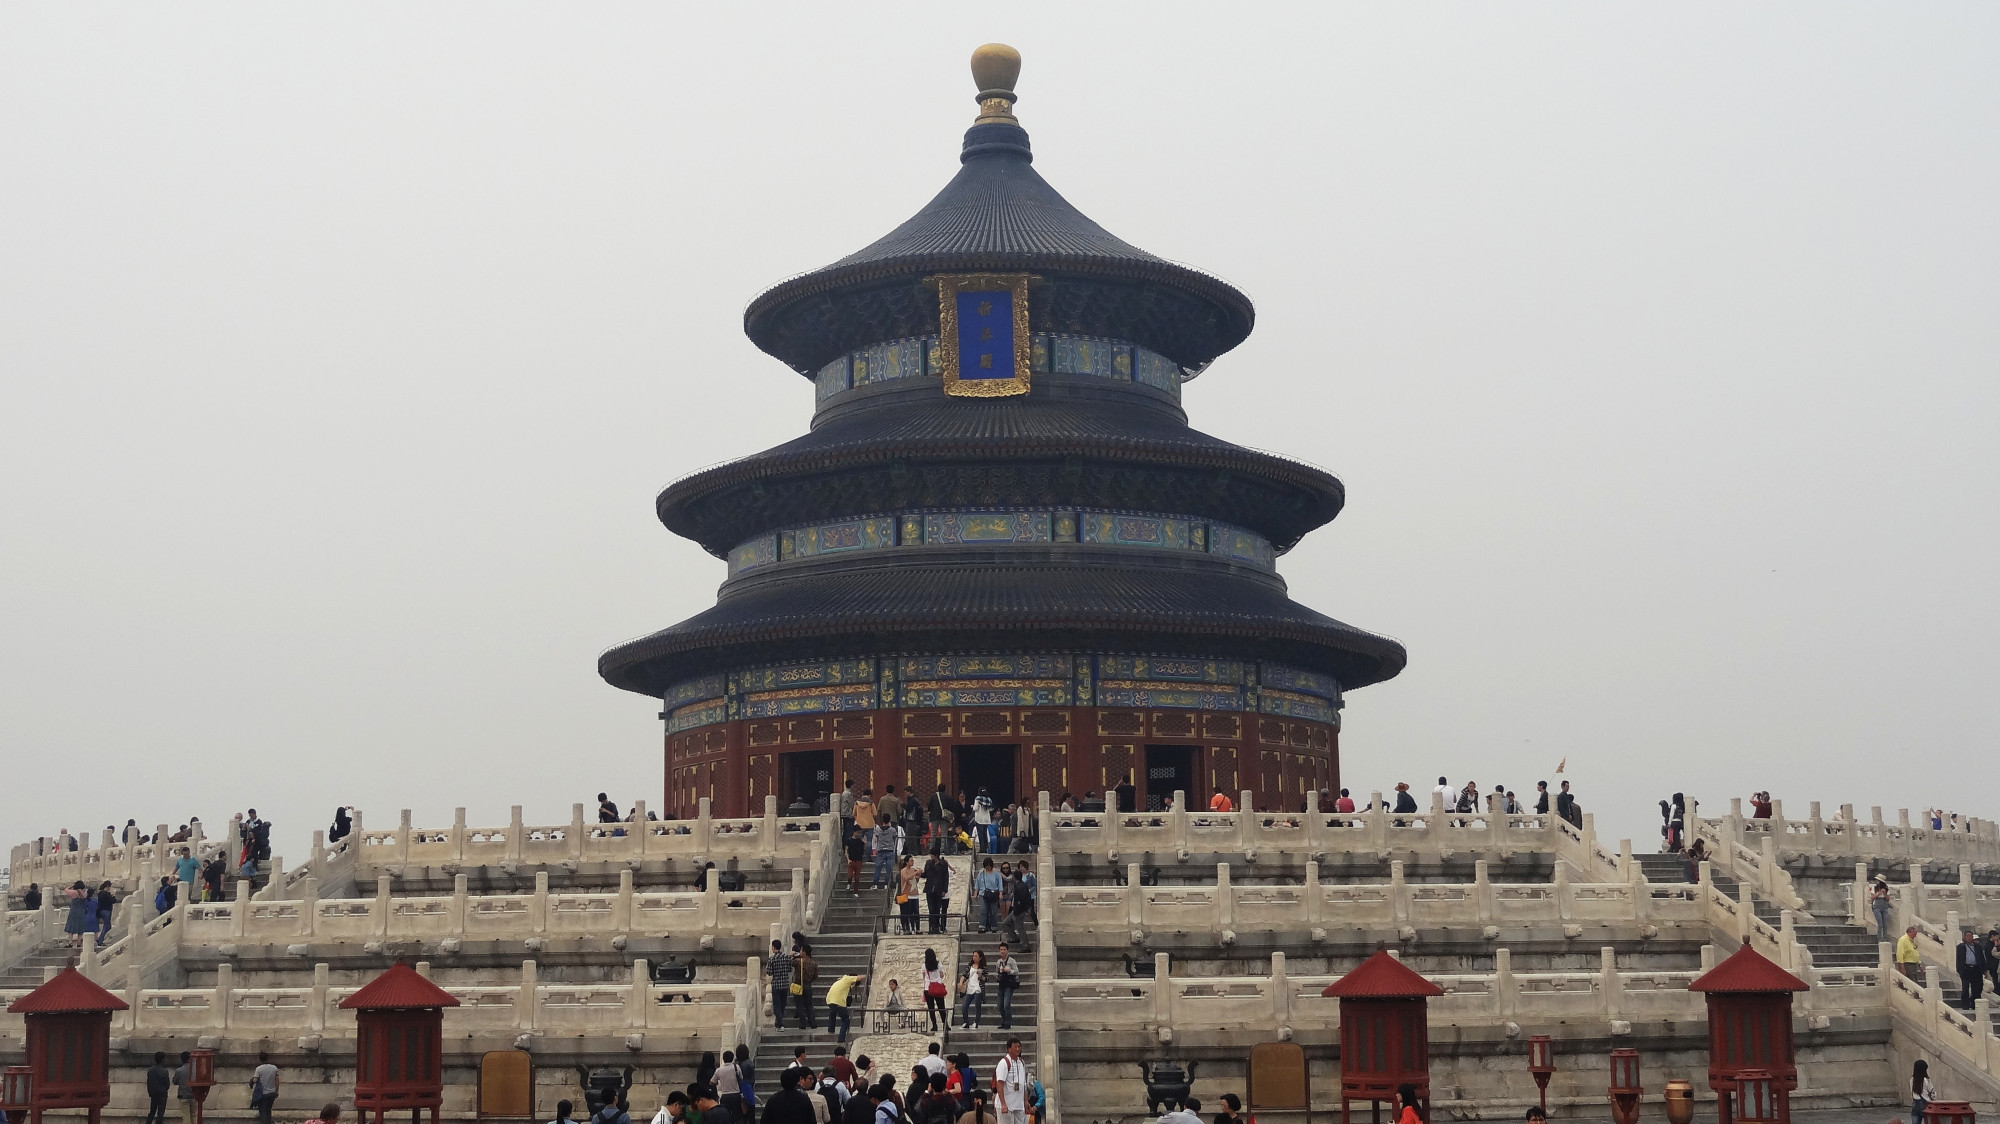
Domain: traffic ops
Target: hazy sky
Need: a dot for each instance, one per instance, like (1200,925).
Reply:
(343,349)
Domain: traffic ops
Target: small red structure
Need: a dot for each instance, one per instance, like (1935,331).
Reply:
(1750,1031)
(399,1043)
(1625,1088)
(201,1078)
(1542,1064)
(1948,1112)
(69,1048)
(1385,1037)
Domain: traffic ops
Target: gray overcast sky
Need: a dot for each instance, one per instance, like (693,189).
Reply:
(343,349)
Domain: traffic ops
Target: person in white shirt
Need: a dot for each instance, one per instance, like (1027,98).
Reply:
(1188,1113)
(982,820)
(1446,793)
(1010,1086)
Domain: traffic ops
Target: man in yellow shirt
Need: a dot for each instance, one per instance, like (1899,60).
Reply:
(1908,960)
(836,1004)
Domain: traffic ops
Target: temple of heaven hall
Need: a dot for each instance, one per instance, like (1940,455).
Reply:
(1000,559)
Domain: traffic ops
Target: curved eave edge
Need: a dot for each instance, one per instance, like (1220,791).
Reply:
(617,665)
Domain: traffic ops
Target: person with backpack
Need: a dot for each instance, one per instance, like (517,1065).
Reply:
(860,1107)
(790,1104)
(615,1110)
(729,1084)
(938,1106)
(1010,1085)
(165,896)
(105,901)
(804,972)
(888,1109)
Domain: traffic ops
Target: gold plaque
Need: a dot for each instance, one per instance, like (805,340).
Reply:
(983,341)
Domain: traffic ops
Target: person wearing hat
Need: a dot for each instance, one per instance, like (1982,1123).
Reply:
(1878,903)
(1405,803)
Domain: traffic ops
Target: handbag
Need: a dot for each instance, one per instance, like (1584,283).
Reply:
(936,988)
(902,899)
(798,989)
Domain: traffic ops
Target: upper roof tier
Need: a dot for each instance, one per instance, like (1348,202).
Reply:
(998,214)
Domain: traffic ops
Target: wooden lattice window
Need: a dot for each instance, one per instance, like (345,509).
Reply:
(1321,740)
(926,725)
(861,768)
(765,733)
(1117,766)
(1045,722)
(808,729)
(1226,726)
(1222,768)
(854,726)
(1173,724)
(1119,723)
(763,767)
(923,769)
(1295,734)
(988,722)
(1049,768)
(718,740)
(1270,731)
(1274,773)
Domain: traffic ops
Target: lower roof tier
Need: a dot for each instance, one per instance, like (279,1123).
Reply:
(1046,602)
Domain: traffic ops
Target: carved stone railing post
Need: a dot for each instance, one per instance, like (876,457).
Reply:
(711,900)
(641,838)
(1225,898)
(1968,896)
(639,998)
(309,905)
(704,827)
(1612,986)
(382,907)
(1399,894)
(1281,991)
(1315,897)
(239,916)
(1246,822)
(516,828)
(538,907)
(1135,897)
(223,996)
(1163,992)
(1482,891)
(1858,910)
(316,1013)
(1177,823)
(458,835)
(1378,824)
(575,831)
(1506,990)
(525,1006)
(456,921)
(621,907)
(318,856)
(1746,913)
(403,837)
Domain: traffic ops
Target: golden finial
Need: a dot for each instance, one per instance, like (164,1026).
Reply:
(995,68)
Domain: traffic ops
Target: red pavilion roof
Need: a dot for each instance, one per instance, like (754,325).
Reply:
(1382,976)
(1748,970)
(69,993)
(398,989)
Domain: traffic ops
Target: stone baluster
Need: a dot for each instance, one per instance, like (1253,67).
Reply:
(538,907)
(403,836)
(274,887)
(711,900)
(1628,868)
(639,833)
(1905,846)
(1788,940)
(525,1007)
(459,906)
(753,971)
(382,907)
(1590,843)
(1919,896)
(575,839)
(770,829)
(704,827)
(135,982)
(1177,824)
(621,906)
(1482,891)
(1163,992)
(1815,828)
(309,906)
(1246,823)
(1399,894)
(638,999)
(1767,867)
(1610,984)
(1877,846)
(458,835)
(317,857)
(1135,898)
(1499,825)
(1708,956)
(223,997)
(239,917)
(86,961)
(1968,894)
(1850,834)
(1281,991)
(1225,898)
(1746,913)
(1110,821)
(1933,994)
(1506,989)
(1315,897)
(516,828)
(1858,911)
(317,1015)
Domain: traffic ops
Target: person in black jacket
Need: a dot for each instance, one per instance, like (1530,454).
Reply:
(1128,797)
(788,1105)
(860,1107)
(937,883)
(1971,964)
(1541,798)
(159,1082)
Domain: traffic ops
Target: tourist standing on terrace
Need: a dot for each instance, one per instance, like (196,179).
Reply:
(184,1087)
(1007,978)
(1447,794)
(607,812)
(1541,798)
(906,893)
(934,995)
(804,973)
(887,842)
(779,968)
(32,898)
(1566,804)
(986,888)
(937,884)
(1010,1081)
(82,914)
(837,994)
(857,850)
(845,806)
(790,1104)
(159,1082)
(1220,802)
(1344,805)
(973,987)
(1992,948)
(1970,960)
(187,869)
(1922,1092)
(1760,805)
(1908,960)
(342,825)
(264,1088)
(864,812)
(984,829)
(105,901)
(1128,797)
(1878,904)
(889,809)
